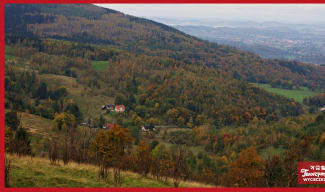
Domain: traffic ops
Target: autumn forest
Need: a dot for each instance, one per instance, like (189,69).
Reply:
(192,112)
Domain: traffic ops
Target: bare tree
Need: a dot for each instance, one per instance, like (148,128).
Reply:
(180,167)
(53,151)
(7,172)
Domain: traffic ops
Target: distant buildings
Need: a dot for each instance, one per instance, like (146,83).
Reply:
(112,108)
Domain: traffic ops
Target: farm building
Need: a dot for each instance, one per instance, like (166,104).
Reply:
(119,108)
(109,107)
(108,126)
(147,128)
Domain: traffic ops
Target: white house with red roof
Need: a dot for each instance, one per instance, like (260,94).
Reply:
(108,126)
(119,108)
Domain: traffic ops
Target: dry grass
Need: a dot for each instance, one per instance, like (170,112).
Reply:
(40,130)
(39,172)
(37,125)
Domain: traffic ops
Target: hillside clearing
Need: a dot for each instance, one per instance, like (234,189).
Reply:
(90,105)
(8,53)
(36,124)
(39,172)
(271,151)
(99,65)
(40,130)
(297,95)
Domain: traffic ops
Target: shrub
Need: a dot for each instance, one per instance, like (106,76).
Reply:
(7,172)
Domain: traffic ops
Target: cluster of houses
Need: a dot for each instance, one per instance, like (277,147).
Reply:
(114,108)
(120,109)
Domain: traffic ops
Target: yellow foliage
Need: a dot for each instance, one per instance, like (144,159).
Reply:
(110,145)
(247,171)
(322,138)
(64,121)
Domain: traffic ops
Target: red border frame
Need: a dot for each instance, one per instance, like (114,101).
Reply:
(2,124)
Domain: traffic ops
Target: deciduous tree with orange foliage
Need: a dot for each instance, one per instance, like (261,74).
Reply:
(247,171)
(109,148)
(143,158)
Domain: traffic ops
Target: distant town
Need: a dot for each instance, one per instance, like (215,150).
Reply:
(305,43)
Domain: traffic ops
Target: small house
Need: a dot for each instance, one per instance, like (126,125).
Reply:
(144,129)
(119,108)
(322,109)
(147,128)
(108,126)
(85,124)
(110,107)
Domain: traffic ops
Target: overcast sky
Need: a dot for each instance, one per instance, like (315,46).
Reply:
(287,13)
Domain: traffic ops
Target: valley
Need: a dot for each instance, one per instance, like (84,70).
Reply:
(300,42)
(189,111)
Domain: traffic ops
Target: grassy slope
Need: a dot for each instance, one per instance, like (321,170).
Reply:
(37,124)
(39,128)
(90,105)
(8,53)
(271,151)
(39,172)
(297,95)
(99,65)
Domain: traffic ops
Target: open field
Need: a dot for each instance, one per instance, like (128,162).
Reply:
(297,95)
(271,151)
(37,125)
(90,105)
(8,53)
(39,172)
(9,57)
(99,65)
(40,130)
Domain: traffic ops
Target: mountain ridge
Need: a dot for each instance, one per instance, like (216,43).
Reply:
(140,35)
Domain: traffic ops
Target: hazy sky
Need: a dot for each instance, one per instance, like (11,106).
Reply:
(292,13)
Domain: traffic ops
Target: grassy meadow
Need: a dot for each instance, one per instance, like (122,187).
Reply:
(39,172)
(40,130)
(89,102)
(295,94)
(99,65)
(271,151)
(8,53)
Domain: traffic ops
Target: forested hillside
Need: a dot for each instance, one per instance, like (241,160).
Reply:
(91,24)
(150,86)
(91,85)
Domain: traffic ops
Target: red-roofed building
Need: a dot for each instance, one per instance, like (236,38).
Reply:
(119,108)
(108,126)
